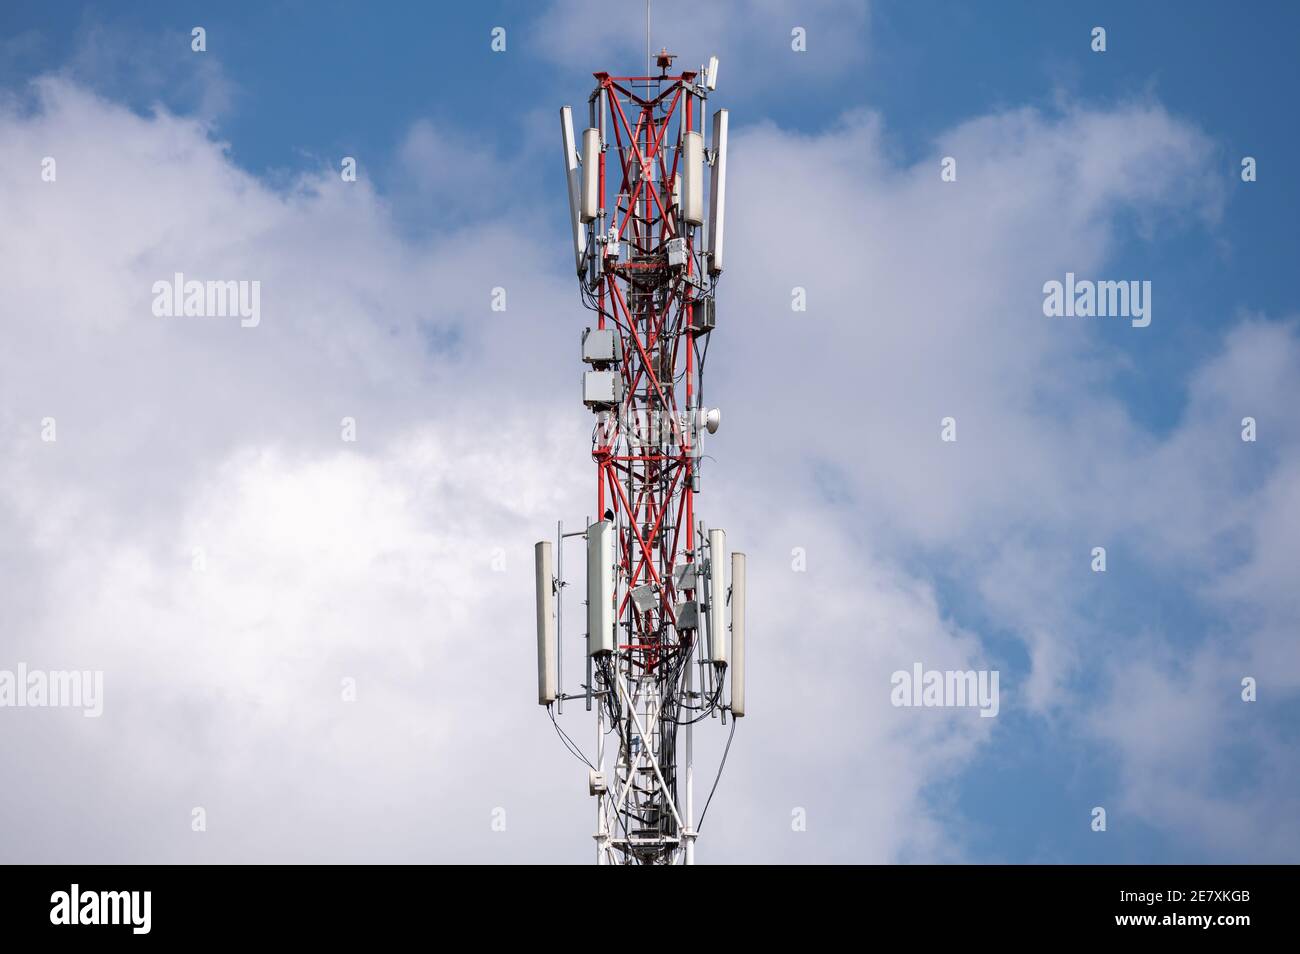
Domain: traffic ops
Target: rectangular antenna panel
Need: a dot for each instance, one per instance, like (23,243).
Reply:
(590,175)
(547,663)
(718,597)
(691,172)
(571,178)
(718,191)
(600,588)
(737,635)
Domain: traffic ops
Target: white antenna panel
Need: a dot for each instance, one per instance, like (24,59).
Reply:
(547,663)
(600,588)
(691,174)
(718,191)
(571,177)
(737,635)
(590,175)
(718,597)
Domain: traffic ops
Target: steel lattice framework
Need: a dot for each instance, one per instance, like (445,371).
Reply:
(651,481)
(644,273)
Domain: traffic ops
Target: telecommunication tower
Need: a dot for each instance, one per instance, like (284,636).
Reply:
(662,655)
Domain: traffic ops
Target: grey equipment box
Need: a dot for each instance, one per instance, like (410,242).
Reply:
(661,363)
(688,614)
(602,346)
(703,316)
(645,597)
(676,253)
(602,388)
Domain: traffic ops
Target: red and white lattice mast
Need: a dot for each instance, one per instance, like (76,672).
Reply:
(648,255)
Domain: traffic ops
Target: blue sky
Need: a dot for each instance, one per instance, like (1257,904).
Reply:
(293,86)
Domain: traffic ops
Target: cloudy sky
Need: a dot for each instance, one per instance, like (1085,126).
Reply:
(179,509)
